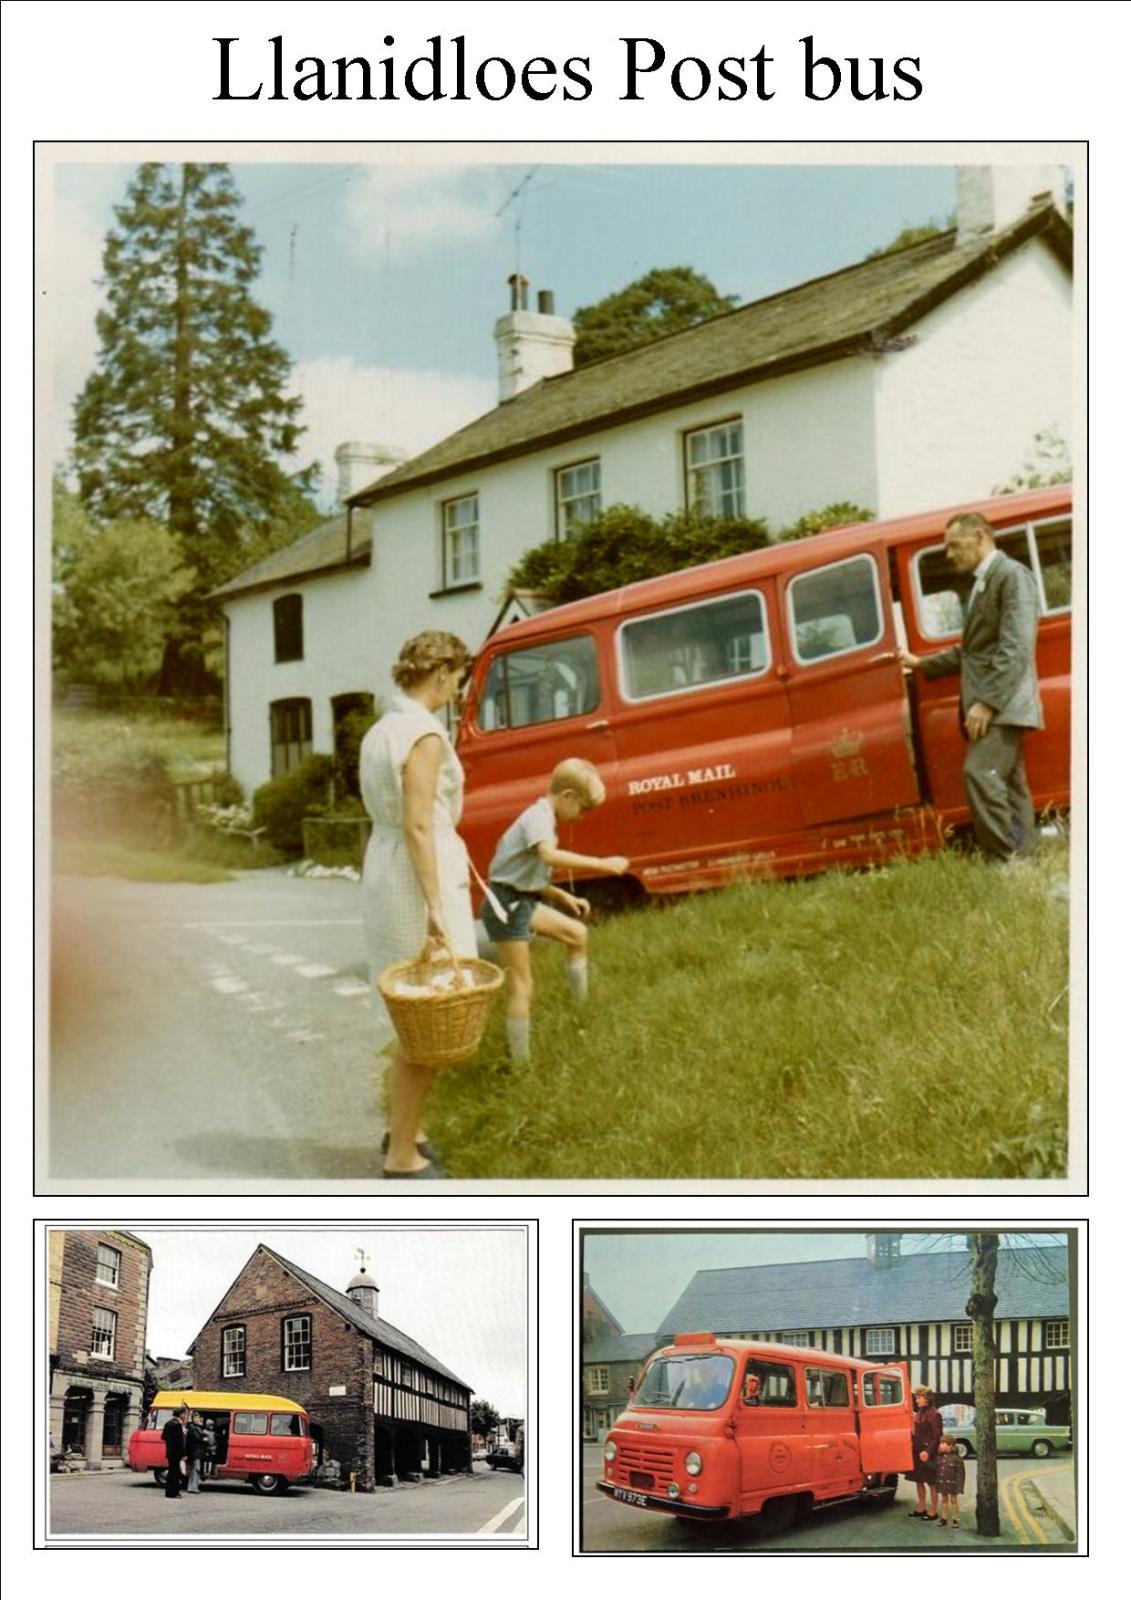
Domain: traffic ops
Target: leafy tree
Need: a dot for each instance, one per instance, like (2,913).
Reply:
(664,300)
(185,416)
(915,234)
(1047,461)
(838,515)
(484,1418)
(624,544)
(117,587)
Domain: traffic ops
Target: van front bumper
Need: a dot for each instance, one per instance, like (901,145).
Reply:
(662,1502)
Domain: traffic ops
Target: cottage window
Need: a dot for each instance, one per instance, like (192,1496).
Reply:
(108,1266)
(291,735)
(598,1380)
(102,1334)
(544,684)
(578,497)
(879,1342)
(1056,1335)
(802,1340)
(835,609)
(296,1344)
(962,1338)
(692,647)
(461,541)
(234,1352)
(288,628)
(713,461)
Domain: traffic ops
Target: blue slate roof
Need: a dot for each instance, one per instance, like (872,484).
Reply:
(928,1287)
(611,1347)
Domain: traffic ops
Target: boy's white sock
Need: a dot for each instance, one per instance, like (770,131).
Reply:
(518,1038)
(577,971)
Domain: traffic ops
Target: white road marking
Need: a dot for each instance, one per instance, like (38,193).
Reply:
(351,990)
(229,985)
(500,1517)
(313,970)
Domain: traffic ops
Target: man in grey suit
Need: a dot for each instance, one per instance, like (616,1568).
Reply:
(1000,700)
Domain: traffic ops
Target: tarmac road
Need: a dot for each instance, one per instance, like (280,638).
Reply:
(210,1032)
(1036,1500)
(121,1502)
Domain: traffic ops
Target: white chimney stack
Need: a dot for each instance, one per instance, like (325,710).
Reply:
(359,465)
(990,198)
(532,344)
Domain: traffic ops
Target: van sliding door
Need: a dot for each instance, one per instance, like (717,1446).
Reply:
(851,737)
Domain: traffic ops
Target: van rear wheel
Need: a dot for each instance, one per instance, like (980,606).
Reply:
(269,1483)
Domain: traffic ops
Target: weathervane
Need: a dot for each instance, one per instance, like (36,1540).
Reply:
(362,1257)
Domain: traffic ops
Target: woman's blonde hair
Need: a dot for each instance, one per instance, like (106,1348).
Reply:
(924,1389)
(425,653)
(582,777)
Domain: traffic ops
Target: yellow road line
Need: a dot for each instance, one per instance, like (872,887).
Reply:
(1016,1507)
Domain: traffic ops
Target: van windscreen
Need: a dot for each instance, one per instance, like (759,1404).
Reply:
(686,1383)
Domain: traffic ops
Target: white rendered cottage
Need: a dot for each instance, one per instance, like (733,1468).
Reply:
(914,379)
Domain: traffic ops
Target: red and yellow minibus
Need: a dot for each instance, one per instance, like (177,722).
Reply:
(751,716)
(720,1428)
(262,1438)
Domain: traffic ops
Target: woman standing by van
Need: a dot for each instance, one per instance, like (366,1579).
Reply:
(926,1432)
(415,880)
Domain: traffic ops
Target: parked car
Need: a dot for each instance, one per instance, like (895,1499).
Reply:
(1019,1433)
(505,1460)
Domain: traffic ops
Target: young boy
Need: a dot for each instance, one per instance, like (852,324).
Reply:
(520,882)
(950,1480)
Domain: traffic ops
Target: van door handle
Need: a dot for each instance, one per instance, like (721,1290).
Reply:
(594,727)
(884,655)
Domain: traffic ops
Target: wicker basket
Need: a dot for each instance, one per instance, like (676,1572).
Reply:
(440,1029)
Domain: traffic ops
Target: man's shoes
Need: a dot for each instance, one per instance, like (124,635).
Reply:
(431,1169)
(425,1146)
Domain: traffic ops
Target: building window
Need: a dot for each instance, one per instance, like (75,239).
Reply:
(102,1334)
(578,497)
(802,1340)
(1056,1335)
(234,1347)
(291,735)
(461,541)
(963,1338)
(296,1344)
(713,459)
(598,1380)
(108,1267)
(288,628)
(879,1342)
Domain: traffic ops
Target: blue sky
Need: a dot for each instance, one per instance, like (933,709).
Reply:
(385,279)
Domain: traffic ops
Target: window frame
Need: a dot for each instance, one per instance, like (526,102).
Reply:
(691,688)
(250,1433)
(822,1404)
(796,1339)
(594,665)
(873,1379)
(113,1282)
(594,1374)
(888,1350)
(448,582)
(690,502)
(305,746)
(791,1403)
(1048,1341)
(287,1345)
(240,1353)
(562,531)
(846,650)
(110,1327)
(965,1346)
(1031,527)
(284,623)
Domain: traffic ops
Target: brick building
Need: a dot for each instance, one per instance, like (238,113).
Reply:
(379,1403)
(98,1299)
(610,1362)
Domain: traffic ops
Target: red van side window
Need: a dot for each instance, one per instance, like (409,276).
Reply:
(286,1424)
(883,1389)
(777,1386)
(835,609)
(545,683)
(249,1422)
(690,646)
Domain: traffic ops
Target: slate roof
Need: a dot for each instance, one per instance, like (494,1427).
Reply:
(927,1287)
(610,1347)
(375,1327)
(856,310)
(324,549)
(605,1312)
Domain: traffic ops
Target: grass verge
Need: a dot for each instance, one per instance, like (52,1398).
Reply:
(105,858)
(909,1022)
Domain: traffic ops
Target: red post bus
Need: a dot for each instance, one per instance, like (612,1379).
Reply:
(750,716)
(723,1428)
(260,1437)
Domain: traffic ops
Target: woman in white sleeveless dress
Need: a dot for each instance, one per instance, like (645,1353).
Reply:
(415,880)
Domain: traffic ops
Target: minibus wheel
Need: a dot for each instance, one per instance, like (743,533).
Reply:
(777,1515)
(269,1483)
(159,1475)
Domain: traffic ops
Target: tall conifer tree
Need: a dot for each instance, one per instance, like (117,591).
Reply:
(185,417)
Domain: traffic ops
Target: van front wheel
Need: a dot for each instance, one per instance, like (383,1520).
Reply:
(777,1515)
(159,1475)
(269,1483)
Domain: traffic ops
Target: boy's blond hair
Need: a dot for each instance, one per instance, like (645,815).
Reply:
(582,777)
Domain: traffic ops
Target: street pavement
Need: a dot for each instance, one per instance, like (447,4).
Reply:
(115,1502)
(211,1032)
(1036,1501)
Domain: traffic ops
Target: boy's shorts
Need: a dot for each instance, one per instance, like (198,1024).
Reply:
(519,907)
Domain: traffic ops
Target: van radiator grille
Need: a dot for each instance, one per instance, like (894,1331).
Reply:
(643,1458)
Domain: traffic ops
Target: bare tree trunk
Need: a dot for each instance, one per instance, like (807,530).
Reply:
(980,1310)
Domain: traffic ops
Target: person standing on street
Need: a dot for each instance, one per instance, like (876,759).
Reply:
(173,1435)
(196,1449)
(1000,701)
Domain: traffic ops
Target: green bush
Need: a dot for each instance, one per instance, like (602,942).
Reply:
(280,805)
(114,793)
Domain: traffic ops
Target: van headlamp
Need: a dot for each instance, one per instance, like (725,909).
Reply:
(610,1449)
(693,1463)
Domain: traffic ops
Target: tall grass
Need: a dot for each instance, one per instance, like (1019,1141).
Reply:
(909,1022)
(182,744)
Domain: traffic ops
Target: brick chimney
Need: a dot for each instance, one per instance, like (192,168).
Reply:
(531,344)
(363,1292)
(990,198)
(883,1249)
(359,465)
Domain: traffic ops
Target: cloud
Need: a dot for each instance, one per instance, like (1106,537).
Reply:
(380,405)
(401,210)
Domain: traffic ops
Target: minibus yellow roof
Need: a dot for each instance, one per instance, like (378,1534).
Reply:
(209,1400)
